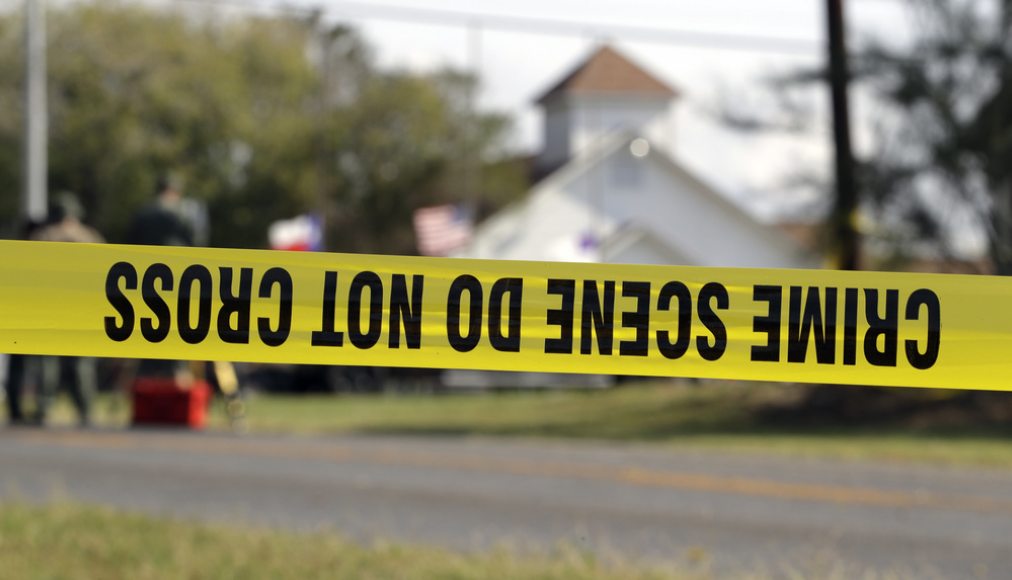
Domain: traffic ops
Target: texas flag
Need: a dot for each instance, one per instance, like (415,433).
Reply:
(302,233)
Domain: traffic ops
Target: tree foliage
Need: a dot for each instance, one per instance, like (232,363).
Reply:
(938,169)
(944,142)
(262,117)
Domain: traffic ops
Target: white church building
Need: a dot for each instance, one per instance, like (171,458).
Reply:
(611,190)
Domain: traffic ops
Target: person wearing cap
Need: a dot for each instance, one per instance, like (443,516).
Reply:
(77,372)
(65,222)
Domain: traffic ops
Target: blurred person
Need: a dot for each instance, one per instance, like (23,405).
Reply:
(79,374)
(171,219)
(14,388)
(65,222)
(15,377)
(163,221)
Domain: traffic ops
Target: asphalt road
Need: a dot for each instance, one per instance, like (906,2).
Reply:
(725,512)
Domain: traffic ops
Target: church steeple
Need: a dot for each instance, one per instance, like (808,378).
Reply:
(605,94)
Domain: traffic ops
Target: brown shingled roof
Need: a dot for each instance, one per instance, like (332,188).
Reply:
(608,71)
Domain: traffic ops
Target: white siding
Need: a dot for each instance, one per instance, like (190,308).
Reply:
(604,196)
(597,118)
(575,124)
(556,132)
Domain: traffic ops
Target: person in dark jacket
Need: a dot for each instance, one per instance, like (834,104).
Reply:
(14,387)
(162,222)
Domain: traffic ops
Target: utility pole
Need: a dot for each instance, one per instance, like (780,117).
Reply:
(33,198)
(845,207)
(322,35)
(472,163)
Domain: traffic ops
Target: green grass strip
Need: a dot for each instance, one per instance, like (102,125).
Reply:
(717,415)
(70,541)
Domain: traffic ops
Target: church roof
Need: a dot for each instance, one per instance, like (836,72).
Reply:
(608,71)
(530,229)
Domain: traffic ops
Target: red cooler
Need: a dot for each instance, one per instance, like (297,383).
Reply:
(161,401)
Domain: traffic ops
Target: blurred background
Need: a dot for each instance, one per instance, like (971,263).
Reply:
(362,113)
(855,134)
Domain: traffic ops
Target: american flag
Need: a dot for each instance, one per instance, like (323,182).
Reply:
(441,229)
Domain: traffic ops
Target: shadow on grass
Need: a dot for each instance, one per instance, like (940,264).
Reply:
(684,414)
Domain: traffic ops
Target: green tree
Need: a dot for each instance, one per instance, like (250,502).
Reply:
(940,117)
(11,114)
(940,165)
(947,138)
(263,117)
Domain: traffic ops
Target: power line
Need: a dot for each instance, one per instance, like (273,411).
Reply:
(541,26)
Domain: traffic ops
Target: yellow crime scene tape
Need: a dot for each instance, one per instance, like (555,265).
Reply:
(866,328)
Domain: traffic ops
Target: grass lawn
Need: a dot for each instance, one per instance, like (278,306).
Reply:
(705,415)
(69,541)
